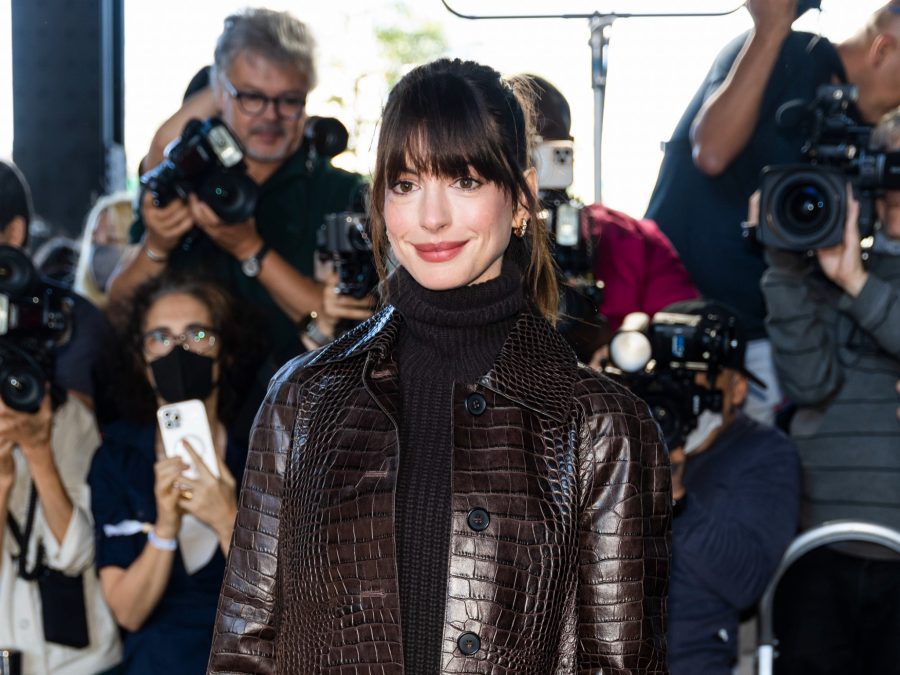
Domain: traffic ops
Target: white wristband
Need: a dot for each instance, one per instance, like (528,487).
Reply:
(162,544)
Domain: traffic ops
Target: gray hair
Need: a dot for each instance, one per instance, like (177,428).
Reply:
(275,36)
(886,135)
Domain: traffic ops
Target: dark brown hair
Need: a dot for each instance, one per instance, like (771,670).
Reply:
(446,118)
(239,348)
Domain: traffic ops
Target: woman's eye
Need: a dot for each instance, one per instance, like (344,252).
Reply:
(403,187)
(467,183)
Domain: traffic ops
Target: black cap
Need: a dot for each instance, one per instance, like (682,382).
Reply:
(723,314)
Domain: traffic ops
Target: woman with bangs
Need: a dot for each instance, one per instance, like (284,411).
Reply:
(445,489)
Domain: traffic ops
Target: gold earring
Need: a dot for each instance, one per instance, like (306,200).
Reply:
(520,228)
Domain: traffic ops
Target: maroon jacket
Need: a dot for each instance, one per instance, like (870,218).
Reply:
(560,536)
(640,270)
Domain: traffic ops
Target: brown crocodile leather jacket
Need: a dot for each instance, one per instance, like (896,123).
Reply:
(569,575)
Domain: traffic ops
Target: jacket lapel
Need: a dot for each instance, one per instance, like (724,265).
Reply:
(536,368)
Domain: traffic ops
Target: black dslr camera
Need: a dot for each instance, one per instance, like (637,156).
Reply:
(657,360)
(581,295)
(343,240)
(803,207)
(207,160)
(35,319)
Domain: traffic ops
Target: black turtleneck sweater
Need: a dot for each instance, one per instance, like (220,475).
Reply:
(447,336)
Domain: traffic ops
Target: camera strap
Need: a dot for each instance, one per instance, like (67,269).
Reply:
(23,537)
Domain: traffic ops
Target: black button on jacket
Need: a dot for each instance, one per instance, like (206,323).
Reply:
(569,577)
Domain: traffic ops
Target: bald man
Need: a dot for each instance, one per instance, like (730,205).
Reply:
(729,133)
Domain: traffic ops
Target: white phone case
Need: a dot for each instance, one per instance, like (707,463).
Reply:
(186,420)
(554,161)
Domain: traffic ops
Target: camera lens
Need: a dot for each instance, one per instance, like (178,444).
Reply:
(231,195)
(806,206)
(22,390)
(17,274)
(802,207)
(358,238)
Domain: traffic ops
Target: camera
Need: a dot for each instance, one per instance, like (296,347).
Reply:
(658,359)
(323,137)
(803,207)
(343,240)
(207,160)
(35,319)
(579,319)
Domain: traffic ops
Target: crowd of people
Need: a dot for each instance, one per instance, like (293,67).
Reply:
(426,479)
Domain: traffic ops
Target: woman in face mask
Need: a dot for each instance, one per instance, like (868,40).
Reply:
(103,243)
(161,536)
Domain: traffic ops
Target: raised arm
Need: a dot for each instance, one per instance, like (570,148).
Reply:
(726,121)
(133,586)
(201,105)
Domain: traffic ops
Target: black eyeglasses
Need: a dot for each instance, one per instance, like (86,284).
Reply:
(290,106)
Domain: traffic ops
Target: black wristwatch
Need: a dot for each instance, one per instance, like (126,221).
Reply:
(252,265)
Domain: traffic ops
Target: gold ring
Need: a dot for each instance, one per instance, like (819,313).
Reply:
(187,494)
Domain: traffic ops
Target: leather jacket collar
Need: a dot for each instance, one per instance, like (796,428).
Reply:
(536,368)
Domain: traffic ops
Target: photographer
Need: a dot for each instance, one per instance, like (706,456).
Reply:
(637,265)
(262,73)
(51,608)
(834,321)
(736,488)
(729,132)
(76,359)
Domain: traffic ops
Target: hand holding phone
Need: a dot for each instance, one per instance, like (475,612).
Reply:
(187,421)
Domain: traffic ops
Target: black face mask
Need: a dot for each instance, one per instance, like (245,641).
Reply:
(181,375)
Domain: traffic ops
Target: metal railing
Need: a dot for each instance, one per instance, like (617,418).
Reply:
(824,535)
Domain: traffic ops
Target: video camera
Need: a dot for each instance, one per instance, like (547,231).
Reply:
(803,207)
(35,319)
(657,360)
(207,160)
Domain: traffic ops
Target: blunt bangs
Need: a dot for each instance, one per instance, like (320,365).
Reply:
(442,127)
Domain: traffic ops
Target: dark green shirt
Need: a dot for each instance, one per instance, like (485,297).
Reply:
(291,207)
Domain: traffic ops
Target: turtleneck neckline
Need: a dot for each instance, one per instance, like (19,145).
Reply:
(460,331)
(474,305)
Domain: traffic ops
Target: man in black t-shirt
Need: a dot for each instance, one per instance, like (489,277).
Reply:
(729,133)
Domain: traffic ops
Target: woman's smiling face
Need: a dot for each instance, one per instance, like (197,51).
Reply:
(448,232)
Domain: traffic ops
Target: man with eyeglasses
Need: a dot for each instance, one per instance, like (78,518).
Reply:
(262,73)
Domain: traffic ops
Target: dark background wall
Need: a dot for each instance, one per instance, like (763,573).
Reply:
(68,104)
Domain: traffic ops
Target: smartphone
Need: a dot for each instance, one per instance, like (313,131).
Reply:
(187,421)
(554,161)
